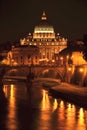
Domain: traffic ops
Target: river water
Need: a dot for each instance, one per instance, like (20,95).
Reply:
(26,108)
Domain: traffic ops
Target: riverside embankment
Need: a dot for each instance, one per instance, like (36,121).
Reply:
(71,93)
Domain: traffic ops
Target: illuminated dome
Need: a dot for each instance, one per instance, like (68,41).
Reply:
(43,28)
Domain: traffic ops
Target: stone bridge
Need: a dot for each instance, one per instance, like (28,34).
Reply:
(39,71)
(71,74)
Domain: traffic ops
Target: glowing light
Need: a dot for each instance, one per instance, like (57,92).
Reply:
(45,101)
(69,107)
(55,104)
(44,16)
(67,57)
(12,91)
(5,90)
(62,104)
(11,116)
(79,60)
(72,57)
(61,111)
(70,114)
(15,63)
(4,61)
(53,60)
(69,69)
(81,116)
(81,70)
(61,58)
(44,31)
(73,109)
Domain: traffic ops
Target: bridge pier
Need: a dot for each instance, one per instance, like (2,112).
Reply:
(2,72)
(3,100)
(36,70)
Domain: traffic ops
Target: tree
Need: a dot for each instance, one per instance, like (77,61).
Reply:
(1,58)
(85,54)
(85,47)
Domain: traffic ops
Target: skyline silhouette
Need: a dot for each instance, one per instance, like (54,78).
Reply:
(18,18)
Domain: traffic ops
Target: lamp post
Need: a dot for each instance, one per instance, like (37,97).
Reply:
(61,58)
(81,70)
(67,58)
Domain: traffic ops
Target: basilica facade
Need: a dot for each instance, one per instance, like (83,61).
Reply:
(45,39)
(39,47)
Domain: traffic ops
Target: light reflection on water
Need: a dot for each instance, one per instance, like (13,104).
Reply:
(11,116)
(34,109)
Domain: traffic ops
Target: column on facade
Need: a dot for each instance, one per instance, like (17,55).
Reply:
(50,54)
(40,53)
(45,52)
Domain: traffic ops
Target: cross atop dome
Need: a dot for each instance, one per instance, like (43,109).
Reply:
(44,16)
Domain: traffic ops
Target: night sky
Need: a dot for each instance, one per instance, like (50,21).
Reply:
(19,17)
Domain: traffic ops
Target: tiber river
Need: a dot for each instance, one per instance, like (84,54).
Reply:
(34,109)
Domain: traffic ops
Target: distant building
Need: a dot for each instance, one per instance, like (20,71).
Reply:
(46,40)
(77,58)
(39,47)
(23,55)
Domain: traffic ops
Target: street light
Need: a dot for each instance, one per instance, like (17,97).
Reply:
(61,58)
(81,70)
(69,69)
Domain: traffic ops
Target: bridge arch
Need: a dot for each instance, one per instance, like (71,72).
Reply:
(15,72)
(51,73)
(48,71)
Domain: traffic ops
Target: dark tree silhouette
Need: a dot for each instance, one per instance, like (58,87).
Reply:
(1,58)
(85,54)
(85,47)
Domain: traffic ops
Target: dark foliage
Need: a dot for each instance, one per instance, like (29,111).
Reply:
(85,54)
(1,58)
(72,46)
(85,47)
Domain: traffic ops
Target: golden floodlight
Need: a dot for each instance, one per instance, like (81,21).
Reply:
(81,70)
(69,69)
(61,58)
(44,16)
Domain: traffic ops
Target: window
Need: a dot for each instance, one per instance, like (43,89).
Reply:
(35,44)
(52,43)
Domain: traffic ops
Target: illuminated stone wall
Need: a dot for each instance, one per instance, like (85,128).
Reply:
(77,58)
(24,55)
(45,38)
